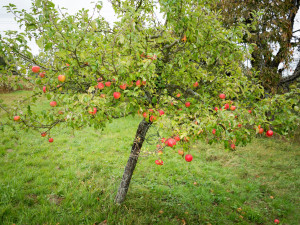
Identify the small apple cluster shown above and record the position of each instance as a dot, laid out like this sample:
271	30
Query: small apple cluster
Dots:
151	115
222	96
122	86
171	142
61	78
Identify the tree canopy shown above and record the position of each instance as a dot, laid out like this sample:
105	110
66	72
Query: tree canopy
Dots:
184	74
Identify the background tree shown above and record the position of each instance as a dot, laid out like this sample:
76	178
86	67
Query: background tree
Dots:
272	35
171	72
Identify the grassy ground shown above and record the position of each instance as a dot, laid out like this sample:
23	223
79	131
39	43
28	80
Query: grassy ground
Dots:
74	180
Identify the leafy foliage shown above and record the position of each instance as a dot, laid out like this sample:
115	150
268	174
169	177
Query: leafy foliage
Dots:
149	62
271	24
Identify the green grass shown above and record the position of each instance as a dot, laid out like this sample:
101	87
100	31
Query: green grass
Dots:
74	180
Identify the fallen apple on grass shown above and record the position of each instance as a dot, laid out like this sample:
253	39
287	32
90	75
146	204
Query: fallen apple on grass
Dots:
53	103
117	95
188	158
222	96
180	152
159	162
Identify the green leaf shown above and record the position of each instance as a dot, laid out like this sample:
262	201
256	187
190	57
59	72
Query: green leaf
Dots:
48	46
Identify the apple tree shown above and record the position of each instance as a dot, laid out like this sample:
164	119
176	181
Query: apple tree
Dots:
274	34
182	73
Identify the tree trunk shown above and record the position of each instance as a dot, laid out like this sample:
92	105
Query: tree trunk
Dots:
131	163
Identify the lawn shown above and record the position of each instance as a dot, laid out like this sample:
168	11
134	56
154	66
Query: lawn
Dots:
74	179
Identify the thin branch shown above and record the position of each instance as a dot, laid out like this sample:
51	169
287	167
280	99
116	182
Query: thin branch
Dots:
171	45
87	26
296	31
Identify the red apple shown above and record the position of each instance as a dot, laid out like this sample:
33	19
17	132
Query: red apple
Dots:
35	69
44	89
260	130
180	152
17	118
67	64
214	131
94	111
170	142
171	103
163	140
159	162
232	108
145	114
152	118
43	134
196	84
226	106
138	83
222	96
178	95
160	152
123	86
61	78
42	75
117	95
187	104
216	109
50	140
100	85
107	84
150	110
269	133
188	158
276	221
239	125
161	112
177	138
53	103
232	146
249	111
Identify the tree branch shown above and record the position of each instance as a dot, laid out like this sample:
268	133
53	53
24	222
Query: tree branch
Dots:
289	79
